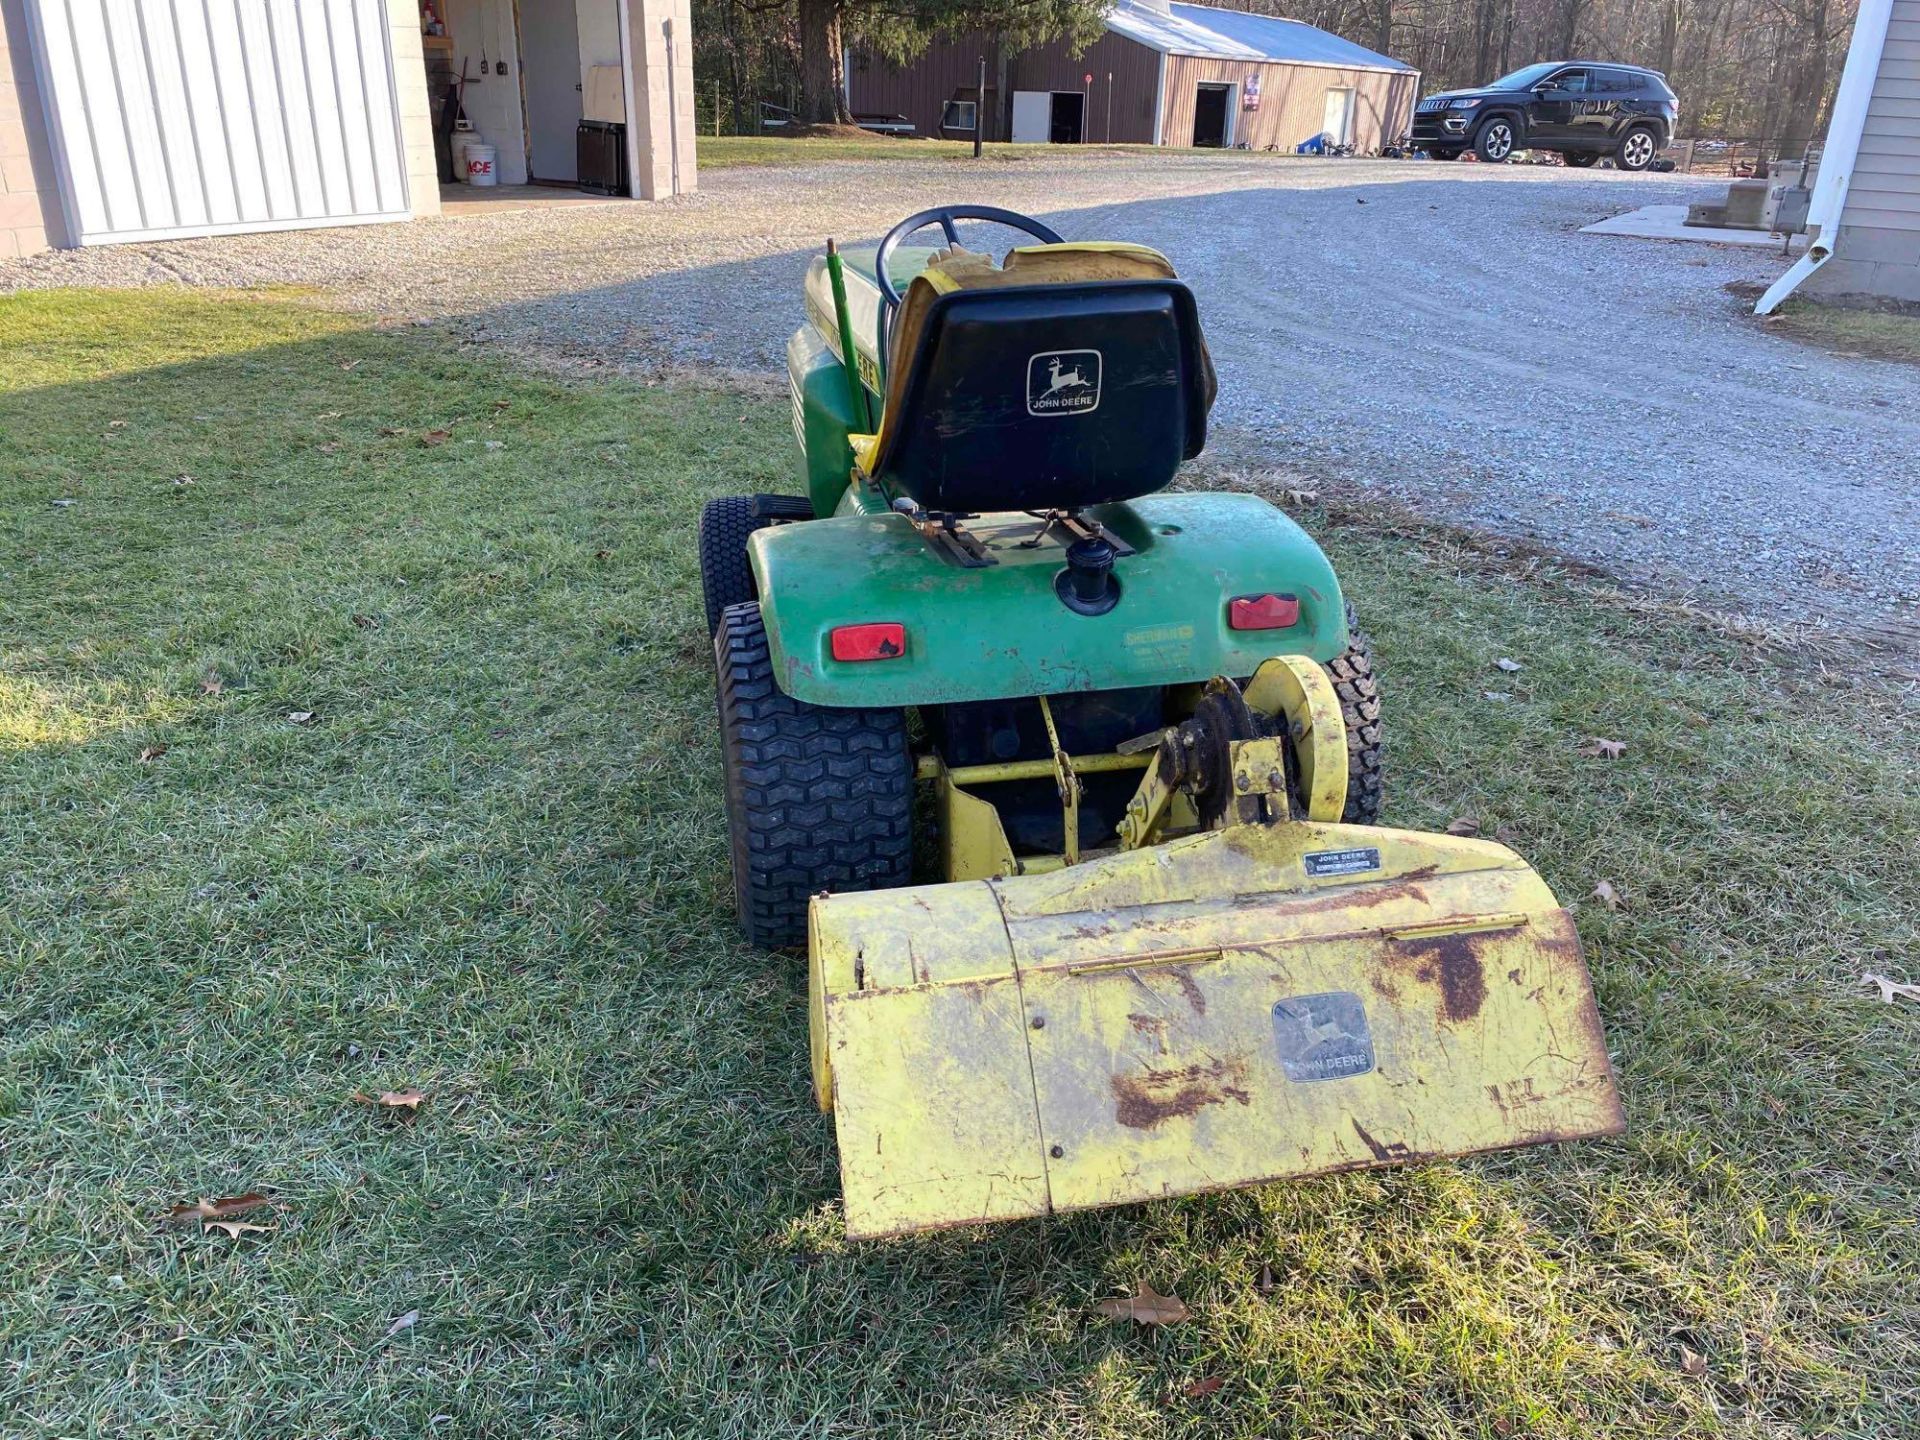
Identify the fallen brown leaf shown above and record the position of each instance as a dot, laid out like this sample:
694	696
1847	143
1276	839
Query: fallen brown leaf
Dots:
1145	1306
603	554
1598	749
365	622
211	684
1692	1363
182	481
234	1229
1464	825
300	717
1891	990
1265	1284
502	404
1505	834
116	424
348	364
1300	497
150	753
1510	666
436	437
1497	695
328	447
392	430
1607	895
216	1209
405	1322
409	1099
1200	1389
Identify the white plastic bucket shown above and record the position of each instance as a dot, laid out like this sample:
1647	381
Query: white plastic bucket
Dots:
462	141
480	169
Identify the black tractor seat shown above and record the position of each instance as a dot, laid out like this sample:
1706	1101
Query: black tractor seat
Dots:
1055	395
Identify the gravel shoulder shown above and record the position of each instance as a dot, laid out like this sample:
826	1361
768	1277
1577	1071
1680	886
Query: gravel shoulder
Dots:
1441	334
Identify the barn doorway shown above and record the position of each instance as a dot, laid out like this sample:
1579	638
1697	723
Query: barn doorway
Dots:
1337	121
1067	123
1212	128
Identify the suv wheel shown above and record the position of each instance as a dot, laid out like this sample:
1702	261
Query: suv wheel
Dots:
1495	141
1637	149
1580	159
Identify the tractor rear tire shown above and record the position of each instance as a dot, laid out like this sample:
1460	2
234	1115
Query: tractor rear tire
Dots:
1359	692
725	576
818	798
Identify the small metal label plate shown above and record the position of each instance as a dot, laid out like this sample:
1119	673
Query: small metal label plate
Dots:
1323	1037
1341	862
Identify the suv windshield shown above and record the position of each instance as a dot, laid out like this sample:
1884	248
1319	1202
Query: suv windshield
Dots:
1526	78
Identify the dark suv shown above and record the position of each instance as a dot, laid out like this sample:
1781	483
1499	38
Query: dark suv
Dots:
1580	108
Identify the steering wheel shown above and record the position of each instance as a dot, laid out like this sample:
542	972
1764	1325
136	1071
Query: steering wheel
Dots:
944	217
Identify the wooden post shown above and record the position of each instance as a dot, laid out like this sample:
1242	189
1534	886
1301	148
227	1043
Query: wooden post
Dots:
980	108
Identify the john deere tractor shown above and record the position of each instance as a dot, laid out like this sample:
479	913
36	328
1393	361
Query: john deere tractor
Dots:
1163	947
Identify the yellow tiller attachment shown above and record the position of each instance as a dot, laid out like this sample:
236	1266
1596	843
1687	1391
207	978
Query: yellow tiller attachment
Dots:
1280	995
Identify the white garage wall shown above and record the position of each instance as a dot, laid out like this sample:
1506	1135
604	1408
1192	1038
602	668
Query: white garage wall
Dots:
599	24
187	119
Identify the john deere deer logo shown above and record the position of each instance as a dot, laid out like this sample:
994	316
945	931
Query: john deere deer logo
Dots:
1063	382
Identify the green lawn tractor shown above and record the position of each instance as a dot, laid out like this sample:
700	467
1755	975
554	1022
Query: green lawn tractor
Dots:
1168	949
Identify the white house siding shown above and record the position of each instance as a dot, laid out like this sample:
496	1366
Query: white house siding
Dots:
1878	248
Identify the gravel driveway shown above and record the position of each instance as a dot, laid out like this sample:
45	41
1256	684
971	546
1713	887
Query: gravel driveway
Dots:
1440	333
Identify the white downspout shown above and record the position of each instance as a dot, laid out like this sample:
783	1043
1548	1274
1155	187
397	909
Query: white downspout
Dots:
673	105
1850	103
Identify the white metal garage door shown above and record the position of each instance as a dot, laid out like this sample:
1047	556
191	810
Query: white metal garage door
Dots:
199	117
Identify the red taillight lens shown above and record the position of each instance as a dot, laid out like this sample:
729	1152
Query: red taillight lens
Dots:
886	641
1263	612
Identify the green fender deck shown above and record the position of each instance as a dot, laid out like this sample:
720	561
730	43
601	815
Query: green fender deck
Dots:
1000	632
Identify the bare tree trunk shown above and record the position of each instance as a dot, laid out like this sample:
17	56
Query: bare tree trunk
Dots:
1809	81
1485	21
1669	42
1569	27
1383	28
822	74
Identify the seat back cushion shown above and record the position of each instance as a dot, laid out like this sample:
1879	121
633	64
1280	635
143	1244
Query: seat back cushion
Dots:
1072	376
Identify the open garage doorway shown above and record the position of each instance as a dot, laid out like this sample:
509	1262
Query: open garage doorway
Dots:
1213	117
1049	117
542	84
1068	121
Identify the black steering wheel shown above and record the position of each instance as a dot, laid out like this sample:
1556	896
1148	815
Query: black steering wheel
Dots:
944	217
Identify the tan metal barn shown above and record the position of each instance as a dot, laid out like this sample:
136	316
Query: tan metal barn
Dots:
1162	74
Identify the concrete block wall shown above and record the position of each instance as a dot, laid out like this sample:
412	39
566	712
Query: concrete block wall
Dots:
662	100
1868	260
30	215
416	113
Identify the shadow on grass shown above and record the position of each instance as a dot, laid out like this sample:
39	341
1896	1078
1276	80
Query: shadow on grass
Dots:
490	862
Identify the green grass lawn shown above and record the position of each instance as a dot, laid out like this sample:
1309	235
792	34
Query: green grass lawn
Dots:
1890	332
491	864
